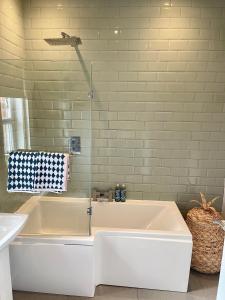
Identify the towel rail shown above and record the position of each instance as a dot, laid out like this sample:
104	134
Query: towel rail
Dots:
34	150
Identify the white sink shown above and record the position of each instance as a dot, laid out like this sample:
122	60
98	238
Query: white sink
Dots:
10	225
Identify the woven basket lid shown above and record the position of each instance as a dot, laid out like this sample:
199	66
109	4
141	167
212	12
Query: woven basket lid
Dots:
201	215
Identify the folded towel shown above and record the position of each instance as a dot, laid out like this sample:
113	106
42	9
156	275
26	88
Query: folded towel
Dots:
36	172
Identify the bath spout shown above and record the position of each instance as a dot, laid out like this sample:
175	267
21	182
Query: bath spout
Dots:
106	196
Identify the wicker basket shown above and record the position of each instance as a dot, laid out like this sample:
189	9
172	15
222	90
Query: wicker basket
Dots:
208	238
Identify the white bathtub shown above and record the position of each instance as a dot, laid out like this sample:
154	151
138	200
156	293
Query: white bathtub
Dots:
143	244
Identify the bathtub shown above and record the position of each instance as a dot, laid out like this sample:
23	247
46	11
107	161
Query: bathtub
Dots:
142	244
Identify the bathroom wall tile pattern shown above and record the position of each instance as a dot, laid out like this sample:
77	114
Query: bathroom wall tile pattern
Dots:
158	116
11	82
11	48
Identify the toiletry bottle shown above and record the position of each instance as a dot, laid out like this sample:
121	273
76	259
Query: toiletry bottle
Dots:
117	192
123	193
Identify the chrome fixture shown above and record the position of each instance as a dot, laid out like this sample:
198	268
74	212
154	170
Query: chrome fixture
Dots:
91	93
168	3
74	145
66	39
100	196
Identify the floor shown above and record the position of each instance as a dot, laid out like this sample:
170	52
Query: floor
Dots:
201	287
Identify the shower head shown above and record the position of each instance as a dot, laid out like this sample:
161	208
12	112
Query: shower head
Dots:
66	39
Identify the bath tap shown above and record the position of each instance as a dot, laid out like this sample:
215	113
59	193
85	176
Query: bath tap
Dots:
102	196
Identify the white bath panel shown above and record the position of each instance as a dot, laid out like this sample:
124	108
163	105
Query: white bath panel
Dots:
54	269
152	263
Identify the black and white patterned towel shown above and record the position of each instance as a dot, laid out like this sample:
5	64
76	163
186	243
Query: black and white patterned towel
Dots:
21	171
52	172
36	172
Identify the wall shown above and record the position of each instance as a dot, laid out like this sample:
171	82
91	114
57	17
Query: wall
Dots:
11	80
158	116
11	48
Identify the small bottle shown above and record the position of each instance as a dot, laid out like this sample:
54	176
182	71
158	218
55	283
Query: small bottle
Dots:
123	193
117	192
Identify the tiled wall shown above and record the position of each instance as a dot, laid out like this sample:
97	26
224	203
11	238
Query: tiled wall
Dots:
57	85
11	48
159	74
11	81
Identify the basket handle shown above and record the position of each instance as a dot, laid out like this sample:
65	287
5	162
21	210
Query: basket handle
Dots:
221	223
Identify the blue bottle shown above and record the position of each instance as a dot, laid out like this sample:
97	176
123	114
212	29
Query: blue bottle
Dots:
123	193
117	192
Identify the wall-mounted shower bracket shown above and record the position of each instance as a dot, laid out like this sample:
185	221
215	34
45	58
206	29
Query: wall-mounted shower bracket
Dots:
91	94
89	211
